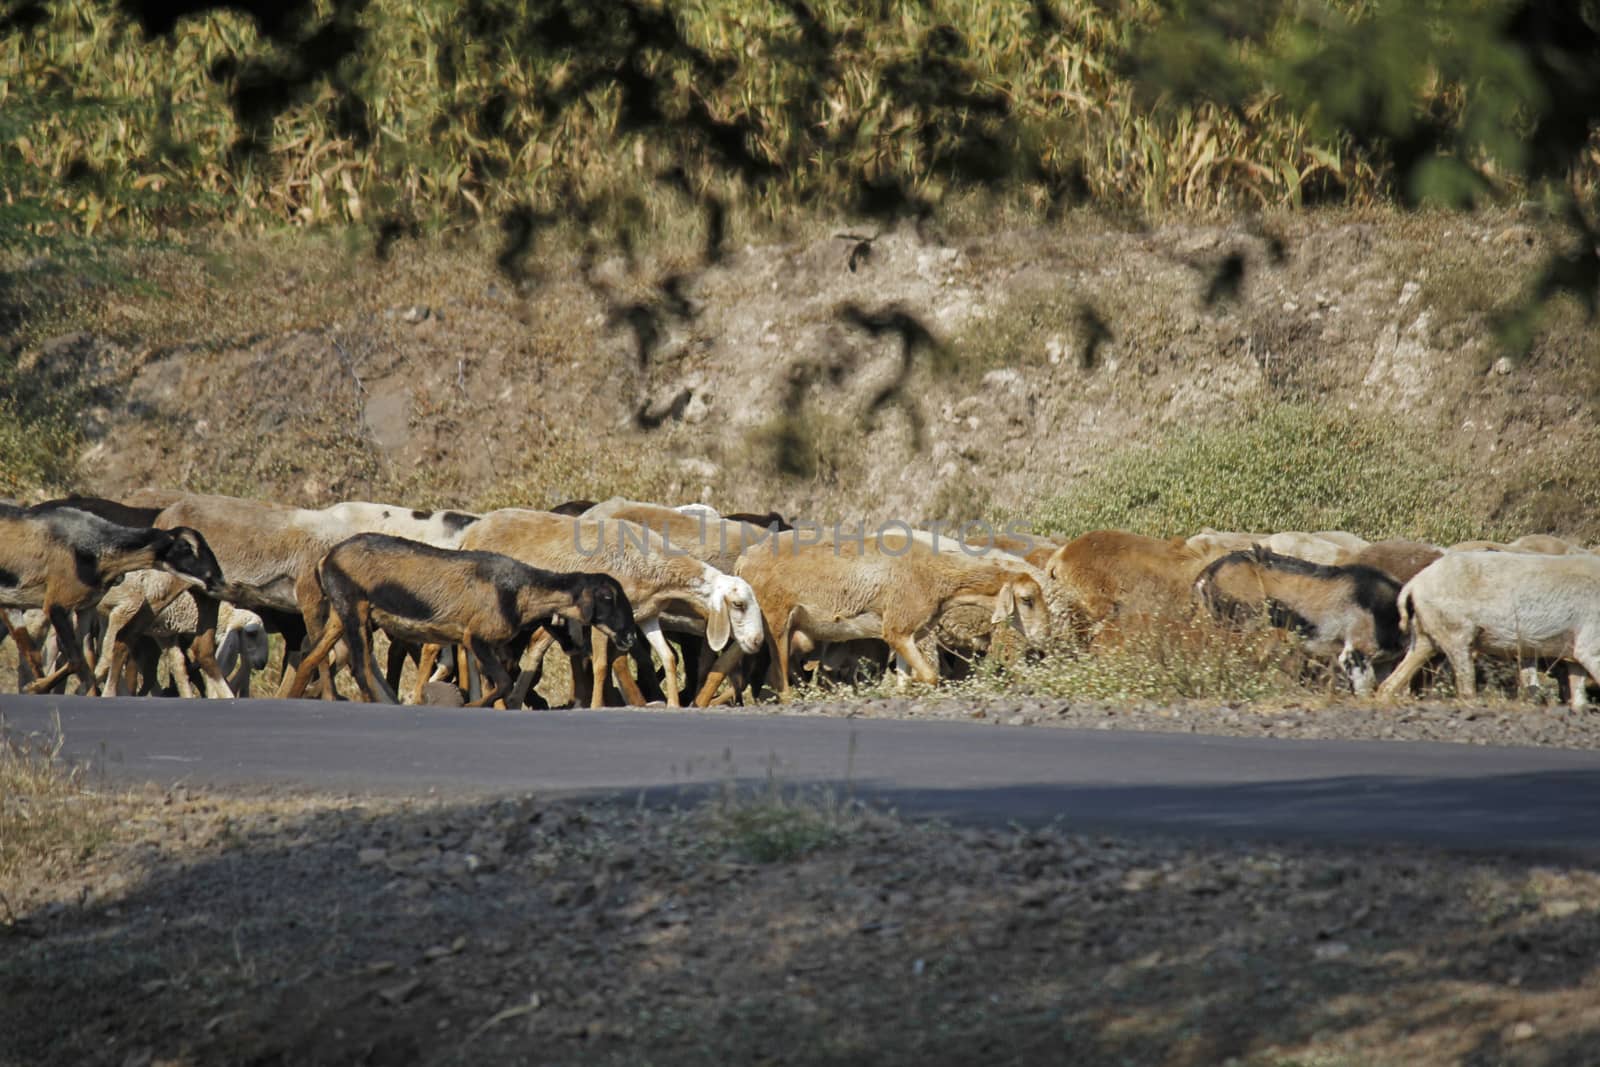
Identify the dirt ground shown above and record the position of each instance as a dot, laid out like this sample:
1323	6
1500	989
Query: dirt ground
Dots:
305	370
294	929
208	928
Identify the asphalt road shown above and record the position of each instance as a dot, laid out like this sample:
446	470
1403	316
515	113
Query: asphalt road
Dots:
1457	796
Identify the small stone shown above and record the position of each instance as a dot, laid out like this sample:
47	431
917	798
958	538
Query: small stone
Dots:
697	410
1331	950
1522	1031
369	856
415	313
399	994
1004	378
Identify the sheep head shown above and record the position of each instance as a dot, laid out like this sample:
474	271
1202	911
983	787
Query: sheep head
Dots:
184	552
1021	601
732	612
601	603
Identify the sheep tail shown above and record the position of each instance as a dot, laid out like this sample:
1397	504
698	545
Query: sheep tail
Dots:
1403	602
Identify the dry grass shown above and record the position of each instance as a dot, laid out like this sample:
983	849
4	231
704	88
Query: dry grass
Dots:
52	817
110	133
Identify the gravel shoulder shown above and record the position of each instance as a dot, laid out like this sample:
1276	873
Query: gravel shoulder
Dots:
1478	723
774	928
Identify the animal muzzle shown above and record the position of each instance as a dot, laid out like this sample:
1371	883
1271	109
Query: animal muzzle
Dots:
624	639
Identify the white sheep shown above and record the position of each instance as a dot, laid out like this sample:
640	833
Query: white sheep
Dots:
1512	605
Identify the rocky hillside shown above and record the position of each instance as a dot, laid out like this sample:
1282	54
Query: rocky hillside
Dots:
792	374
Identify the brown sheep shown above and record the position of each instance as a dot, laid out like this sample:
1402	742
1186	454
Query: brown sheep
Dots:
1400	560
1117	581
892	590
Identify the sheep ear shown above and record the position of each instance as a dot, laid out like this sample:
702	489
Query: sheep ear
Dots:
585	604
718	627
1005	603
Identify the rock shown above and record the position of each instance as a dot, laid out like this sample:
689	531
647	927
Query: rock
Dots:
399	994
697	467
1331	950
666	403
415	313
1562	909
1004	379
443	695
697	409
1523	1031
369	856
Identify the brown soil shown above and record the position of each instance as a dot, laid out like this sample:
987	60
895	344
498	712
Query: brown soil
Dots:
319	930
306	371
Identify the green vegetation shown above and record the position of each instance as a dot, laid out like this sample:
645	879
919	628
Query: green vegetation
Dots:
1278	466
776	825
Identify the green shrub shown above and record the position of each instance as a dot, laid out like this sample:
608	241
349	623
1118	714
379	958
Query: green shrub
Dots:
1275	466
772	827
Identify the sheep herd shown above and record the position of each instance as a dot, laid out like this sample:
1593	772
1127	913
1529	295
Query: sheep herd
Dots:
103	593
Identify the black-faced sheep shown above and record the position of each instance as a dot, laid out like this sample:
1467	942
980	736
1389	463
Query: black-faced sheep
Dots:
63	560
483	601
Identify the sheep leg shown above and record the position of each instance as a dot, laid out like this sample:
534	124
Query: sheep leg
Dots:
467	674
499	678
1579	673
427	660
120	616
67	644
179	666
27	654
604	667
658	641
727	660
622	671
399	652
311	660
363	659
117	663
87	623
1459	653
1417	656
204	646
649	682
216	685
529	677
905	646
778	634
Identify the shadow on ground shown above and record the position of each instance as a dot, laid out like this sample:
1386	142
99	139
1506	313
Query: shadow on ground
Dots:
532	930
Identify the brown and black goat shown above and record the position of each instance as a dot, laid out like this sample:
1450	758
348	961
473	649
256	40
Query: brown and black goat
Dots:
483	601
63	560
1347	613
